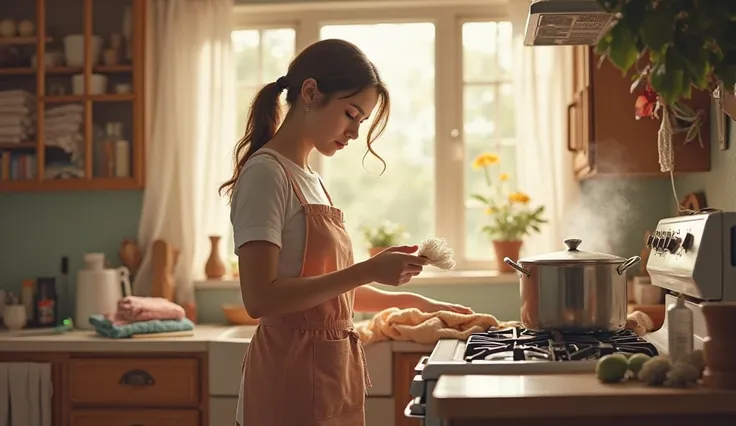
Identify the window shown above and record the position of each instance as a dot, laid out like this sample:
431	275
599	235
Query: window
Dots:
261	56
451	99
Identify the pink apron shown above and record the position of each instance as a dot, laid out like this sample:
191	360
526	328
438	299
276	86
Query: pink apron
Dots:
308	368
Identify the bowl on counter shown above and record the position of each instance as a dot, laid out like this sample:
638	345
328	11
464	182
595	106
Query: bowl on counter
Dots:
238	315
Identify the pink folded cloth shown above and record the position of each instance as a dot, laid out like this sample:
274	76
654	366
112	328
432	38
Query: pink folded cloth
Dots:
135	309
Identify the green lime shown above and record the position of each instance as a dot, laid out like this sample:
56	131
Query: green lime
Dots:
611	368
636	361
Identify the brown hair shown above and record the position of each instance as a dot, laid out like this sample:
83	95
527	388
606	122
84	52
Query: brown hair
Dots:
337	66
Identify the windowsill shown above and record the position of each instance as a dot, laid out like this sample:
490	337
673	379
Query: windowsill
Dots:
428	278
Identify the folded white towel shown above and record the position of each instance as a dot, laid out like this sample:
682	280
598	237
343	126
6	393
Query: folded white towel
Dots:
16	120
64	109
74	118
17	109
14	131
62	128
11	139
15	94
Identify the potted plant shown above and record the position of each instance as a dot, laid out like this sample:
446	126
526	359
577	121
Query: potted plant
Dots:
383	236
674	47
511	216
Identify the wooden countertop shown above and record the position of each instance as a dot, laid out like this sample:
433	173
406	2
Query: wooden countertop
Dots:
568	395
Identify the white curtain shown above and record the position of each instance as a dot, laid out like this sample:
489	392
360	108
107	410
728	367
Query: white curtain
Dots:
543	88
189	135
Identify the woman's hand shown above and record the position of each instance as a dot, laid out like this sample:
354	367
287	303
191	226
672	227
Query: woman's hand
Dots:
431	305
395	265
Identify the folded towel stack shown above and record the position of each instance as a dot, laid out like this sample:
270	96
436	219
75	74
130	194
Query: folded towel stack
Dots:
141	315
17	116
63	127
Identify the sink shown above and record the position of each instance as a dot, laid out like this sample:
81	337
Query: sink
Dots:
226	357
240	332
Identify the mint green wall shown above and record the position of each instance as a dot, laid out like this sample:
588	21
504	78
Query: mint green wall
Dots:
37	229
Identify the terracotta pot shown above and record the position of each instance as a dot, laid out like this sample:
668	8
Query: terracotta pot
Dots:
509	249
214	269
375	250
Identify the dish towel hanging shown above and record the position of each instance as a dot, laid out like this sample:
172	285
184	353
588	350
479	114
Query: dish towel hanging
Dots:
25	394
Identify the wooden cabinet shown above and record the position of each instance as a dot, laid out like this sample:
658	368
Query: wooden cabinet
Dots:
152	389
605	138
404	364
75	71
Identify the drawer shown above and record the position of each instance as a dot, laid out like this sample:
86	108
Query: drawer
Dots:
135	381
139	417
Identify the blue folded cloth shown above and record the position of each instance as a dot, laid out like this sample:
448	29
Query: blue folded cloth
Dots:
106	328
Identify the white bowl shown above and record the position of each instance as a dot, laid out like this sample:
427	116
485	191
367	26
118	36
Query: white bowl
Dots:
74	49
97	84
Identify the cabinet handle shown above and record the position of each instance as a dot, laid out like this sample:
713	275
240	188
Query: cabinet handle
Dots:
137	378
569	128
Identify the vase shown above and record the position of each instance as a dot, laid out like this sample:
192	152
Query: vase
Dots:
510	249
214	269
375	250
718	347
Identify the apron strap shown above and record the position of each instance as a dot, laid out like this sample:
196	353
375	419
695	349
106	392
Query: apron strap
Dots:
297	190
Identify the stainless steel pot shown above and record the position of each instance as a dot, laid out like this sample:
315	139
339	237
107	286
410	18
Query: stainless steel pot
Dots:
573	291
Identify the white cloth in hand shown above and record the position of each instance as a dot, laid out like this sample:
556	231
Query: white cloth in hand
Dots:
438	252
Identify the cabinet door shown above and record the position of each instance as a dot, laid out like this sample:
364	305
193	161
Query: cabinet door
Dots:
404	364
625	146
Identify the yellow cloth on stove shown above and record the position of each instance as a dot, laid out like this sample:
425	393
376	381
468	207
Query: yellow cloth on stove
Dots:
422	327
428	328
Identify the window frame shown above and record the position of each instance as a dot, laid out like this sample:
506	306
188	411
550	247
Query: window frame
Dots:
448	16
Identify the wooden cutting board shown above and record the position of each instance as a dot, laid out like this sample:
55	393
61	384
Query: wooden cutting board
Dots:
184	333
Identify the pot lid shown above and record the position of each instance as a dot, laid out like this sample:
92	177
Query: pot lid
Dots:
572	254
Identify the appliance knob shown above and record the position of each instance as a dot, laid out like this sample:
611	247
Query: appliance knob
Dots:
687	243
673	244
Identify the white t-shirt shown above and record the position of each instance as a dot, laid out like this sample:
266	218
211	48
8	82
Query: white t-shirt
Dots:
265	208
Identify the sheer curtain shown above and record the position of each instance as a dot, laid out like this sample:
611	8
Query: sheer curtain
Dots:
190	134
543	87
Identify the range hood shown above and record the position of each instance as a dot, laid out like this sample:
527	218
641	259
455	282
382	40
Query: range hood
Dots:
566	23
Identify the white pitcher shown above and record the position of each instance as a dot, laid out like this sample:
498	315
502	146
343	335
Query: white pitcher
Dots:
99	289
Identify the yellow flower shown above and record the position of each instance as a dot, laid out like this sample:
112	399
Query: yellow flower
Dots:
485	159
490	210
518	197
504	177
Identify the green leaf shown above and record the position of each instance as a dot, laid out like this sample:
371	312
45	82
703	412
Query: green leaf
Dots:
623	51
604	44
657	28
668	79
480	198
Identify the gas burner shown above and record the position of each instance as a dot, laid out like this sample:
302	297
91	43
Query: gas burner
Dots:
521	344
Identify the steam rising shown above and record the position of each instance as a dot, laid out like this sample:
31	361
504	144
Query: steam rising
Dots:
603	216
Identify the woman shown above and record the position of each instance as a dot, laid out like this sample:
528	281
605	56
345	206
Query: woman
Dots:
305	365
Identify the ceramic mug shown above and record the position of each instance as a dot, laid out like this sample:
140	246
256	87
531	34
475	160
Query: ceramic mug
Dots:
14	317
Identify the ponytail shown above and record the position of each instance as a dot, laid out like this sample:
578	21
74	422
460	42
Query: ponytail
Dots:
263	120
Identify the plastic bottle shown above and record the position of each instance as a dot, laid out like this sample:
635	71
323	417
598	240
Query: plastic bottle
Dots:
679	329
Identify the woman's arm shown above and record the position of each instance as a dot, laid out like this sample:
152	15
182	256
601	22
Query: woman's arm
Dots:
263	294
371	299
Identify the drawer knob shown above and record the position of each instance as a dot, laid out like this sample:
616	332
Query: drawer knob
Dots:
137	378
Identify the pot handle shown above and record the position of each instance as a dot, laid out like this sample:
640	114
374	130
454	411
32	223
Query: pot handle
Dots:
516	266
628	263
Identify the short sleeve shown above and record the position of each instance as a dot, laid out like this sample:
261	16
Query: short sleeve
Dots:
260	197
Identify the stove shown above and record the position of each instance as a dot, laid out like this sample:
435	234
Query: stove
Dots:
693	254
520	344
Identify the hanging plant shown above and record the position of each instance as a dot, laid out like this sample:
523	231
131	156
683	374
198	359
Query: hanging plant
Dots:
674	46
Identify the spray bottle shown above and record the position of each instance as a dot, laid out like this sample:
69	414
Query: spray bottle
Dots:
679	329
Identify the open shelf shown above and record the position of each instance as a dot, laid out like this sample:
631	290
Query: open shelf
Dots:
83	128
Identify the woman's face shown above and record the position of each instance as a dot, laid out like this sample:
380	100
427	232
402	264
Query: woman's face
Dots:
332	126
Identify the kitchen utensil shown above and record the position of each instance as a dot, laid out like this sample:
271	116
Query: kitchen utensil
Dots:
573	291
99	289
237	315
66	326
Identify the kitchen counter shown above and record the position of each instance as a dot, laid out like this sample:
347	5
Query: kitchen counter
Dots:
204	334
575	399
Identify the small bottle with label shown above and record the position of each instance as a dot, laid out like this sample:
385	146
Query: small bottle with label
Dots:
46	302
679	329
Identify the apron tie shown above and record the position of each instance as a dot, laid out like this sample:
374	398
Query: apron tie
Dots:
366	377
